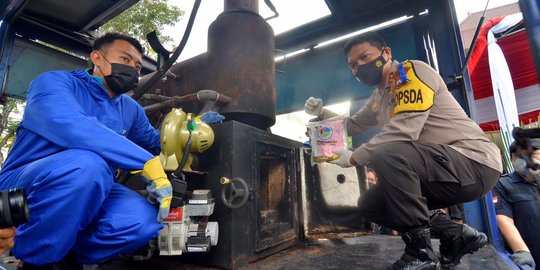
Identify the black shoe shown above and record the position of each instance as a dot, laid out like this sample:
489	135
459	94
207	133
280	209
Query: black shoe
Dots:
418	254
453	249
68	263
408	262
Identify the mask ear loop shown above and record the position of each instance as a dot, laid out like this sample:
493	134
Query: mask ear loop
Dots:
382	53
105	60
104	57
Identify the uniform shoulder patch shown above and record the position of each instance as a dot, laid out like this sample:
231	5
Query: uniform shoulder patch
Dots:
413	95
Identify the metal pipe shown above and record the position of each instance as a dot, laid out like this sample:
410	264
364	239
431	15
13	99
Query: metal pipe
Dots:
251	5
154	97
475	38
137	93
224	180
177	101
208	98
272	8
204	95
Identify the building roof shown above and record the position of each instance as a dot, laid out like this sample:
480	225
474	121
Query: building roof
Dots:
468	25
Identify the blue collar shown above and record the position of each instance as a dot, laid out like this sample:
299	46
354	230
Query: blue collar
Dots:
97	78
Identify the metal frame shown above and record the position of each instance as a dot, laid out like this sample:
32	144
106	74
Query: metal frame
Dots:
8	12
77	39
531	13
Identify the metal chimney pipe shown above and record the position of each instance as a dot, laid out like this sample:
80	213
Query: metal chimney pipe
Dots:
250	5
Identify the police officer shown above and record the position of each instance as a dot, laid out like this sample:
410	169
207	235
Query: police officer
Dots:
518	210
428	154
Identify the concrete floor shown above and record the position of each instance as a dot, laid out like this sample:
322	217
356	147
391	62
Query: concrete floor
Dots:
368	252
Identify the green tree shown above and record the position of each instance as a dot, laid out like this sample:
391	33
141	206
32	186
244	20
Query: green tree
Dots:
9	121
143	18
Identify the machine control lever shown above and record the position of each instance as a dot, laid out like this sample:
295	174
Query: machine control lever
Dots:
235	192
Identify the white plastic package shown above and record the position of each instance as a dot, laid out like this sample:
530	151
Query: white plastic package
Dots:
326	137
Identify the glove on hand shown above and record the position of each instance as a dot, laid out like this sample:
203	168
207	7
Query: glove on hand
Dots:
158	186
212	117
523	257
313	106
344	158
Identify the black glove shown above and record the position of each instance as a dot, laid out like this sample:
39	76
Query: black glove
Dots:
523	257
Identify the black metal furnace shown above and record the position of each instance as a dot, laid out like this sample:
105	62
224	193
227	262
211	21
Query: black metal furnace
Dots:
268	222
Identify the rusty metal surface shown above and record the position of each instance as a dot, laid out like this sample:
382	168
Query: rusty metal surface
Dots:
267	223
178	101
362	253
239	63
369	253
252	5
328	231
320	217
241	54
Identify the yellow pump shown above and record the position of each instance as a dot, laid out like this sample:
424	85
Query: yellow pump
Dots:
174	137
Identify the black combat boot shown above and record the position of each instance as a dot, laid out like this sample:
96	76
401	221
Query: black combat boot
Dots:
456	239
418	252
453	248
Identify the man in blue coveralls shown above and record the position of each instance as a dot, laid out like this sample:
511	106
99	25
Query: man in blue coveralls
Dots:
518	208
78	128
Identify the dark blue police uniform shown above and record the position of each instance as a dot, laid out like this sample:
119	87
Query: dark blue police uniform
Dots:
517	199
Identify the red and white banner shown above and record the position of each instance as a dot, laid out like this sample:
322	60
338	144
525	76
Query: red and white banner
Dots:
491	83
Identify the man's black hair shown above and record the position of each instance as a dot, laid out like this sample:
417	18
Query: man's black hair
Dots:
107	39
535	144
373	38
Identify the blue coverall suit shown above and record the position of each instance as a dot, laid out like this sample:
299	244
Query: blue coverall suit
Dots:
71	138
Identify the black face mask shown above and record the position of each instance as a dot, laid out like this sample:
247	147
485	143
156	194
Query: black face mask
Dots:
371	73
122	79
